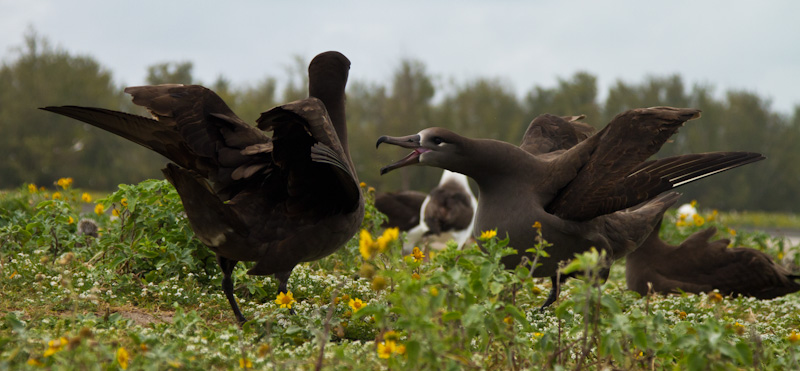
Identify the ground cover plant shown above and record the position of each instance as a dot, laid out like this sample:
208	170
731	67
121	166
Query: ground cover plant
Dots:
140	293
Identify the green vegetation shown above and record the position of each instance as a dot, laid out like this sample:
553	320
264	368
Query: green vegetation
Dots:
145	295
43	147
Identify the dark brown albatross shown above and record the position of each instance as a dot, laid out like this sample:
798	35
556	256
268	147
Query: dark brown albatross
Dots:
599	192
276	201
699	265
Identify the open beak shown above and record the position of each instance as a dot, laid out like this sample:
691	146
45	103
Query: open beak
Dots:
410	141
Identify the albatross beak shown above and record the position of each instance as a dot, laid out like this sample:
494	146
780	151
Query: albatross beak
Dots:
410	141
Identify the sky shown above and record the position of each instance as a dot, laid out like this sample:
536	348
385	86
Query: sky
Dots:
743	45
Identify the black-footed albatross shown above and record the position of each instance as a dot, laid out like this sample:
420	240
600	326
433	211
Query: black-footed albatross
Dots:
600	192
448	213
401	208
277	201
700	265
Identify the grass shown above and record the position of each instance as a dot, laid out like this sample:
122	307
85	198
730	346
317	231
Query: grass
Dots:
145	295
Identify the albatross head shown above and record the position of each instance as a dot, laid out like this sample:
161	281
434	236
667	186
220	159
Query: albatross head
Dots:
435	147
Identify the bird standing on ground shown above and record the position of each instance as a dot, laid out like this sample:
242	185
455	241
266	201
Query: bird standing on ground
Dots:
277	201
597	192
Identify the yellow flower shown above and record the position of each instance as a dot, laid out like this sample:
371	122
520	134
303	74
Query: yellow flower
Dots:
794	336
536	290
32	189
417	254
537	225
698	220
124	202
371	189
86	197
54	346
415	276
732	232
245	363
263	350
115	212
285	300
400	349
64	182
57	195
780	255
487	235
356	304
508	320
365	244
362	184
738	328
70	221
693	203
434	291
713	216
389	235
715	297
123	357
682	314
99	209
34	362
537	335
386	348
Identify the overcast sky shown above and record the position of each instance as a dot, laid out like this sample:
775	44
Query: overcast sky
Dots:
752	45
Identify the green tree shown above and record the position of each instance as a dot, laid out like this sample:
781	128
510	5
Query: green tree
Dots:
170	73
43	147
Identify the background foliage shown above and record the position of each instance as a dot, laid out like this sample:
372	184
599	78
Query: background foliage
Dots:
39	147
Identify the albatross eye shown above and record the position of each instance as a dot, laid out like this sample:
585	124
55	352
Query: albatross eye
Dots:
437	140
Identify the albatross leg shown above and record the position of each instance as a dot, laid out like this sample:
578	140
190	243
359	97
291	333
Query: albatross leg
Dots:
283	283
227	285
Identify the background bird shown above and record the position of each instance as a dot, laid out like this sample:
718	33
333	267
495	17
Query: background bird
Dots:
701	265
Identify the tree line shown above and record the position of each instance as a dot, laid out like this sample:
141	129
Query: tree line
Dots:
39	147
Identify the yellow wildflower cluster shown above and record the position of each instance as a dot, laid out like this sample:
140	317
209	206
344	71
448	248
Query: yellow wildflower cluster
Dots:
387	348
794	336
64	183
32	188
86	197
488	235
122	358
57	196
698	220
245	363
369	247
417	254
285	300
356	304
55	346
99	209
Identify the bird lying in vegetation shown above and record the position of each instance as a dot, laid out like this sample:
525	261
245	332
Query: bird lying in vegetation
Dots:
277	201
700	265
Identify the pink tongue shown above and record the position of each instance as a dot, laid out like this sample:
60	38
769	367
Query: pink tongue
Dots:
421	150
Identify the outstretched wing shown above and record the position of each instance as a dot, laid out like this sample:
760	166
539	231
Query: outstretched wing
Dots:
193	127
